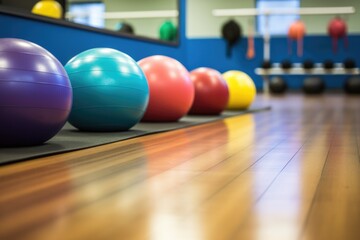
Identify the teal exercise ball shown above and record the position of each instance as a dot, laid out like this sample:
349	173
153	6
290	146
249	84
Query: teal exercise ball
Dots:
110	91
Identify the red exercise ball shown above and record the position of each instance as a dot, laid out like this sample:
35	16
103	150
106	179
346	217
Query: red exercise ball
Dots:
171	89
211	92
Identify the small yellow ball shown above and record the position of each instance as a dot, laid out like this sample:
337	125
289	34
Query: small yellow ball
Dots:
48	8
242	90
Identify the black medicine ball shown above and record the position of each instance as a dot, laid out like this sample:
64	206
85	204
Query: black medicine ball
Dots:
232	33
349	63
277	85
266	64
313	85
308	64
328	64
352	85
286	64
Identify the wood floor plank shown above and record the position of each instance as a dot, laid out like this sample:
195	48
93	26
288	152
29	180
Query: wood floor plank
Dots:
289	173
335	212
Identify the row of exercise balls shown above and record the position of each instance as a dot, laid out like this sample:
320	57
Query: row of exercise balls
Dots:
233	90
100	86
164	93
314	85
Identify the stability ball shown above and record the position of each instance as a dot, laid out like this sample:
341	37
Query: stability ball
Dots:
313	85
352	85
48	8
171	89
211	92
277	85
242	90
35	94
110	90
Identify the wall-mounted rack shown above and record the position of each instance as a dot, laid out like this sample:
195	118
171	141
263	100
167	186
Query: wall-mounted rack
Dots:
298	70
285	11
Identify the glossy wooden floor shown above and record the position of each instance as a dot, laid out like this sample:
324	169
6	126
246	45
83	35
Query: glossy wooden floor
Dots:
289	173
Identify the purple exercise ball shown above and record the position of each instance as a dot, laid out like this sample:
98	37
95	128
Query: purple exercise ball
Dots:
35	94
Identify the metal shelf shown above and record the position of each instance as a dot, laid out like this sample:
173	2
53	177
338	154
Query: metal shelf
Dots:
298	70
302	71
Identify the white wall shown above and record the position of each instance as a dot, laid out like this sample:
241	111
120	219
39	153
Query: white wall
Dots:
143	27
318	24
201	23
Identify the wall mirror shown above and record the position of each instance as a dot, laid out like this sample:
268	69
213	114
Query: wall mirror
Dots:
155	19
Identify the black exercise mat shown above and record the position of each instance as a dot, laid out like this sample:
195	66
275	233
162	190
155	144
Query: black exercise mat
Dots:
70	139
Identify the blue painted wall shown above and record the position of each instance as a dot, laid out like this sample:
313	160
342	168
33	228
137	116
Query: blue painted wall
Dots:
211	53
65	42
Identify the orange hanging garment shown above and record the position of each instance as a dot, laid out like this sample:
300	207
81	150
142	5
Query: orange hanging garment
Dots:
250	54
297	32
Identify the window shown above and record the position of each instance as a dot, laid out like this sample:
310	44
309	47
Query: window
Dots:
278	24
87	13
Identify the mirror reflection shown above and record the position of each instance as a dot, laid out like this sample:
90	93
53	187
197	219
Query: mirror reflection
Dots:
156	19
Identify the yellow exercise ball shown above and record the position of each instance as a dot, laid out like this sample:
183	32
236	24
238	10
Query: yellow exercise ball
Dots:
242	90
48	8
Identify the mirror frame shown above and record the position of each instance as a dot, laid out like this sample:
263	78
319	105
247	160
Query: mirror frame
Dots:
24	14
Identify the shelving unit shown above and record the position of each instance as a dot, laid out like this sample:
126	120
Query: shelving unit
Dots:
298	70
302	71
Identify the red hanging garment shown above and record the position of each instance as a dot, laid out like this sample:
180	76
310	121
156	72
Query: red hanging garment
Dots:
337	29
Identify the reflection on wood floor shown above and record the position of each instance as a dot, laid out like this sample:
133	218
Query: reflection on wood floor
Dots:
289	173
